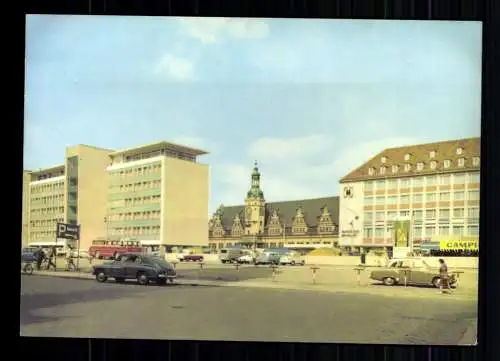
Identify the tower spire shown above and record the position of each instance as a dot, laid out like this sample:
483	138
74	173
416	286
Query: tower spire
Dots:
255	191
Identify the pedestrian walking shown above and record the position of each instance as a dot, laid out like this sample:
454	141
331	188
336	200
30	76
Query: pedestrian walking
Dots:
444	277
51	257
39	255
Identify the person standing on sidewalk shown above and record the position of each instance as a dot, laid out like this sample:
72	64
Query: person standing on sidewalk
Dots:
444	277
51	256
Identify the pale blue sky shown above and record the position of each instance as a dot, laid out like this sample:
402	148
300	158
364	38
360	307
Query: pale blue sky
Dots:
309	99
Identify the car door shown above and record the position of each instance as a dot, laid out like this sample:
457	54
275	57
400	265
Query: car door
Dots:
405	270
133	265
419	273
116	269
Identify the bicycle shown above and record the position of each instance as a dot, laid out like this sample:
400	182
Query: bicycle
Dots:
70	265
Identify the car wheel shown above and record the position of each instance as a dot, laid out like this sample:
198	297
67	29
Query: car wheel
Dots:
142	278
101	277
161	281
436	282
120	280
389	281
28	269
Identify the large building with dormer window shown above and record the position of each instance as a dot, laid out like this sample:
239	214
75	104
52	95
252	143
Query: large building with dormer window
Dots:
300	224
435	186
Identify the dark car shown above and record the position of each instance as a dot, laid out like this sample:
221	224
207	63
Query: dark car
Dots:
143	268
28	254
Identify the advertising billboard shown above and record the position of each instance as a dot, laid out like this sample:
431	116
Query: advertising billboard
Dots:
454	244
401	233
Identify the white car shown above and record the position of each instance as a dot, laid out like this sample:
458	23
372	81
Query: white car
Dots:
246	259
82	254
292	259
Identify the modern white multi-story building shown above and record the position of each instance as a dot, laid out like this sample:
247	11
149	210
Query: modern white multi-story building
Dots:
158	193
435	186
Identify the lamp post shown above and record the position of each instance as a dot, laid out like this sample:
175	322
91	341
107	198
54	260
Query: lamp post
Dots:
107	228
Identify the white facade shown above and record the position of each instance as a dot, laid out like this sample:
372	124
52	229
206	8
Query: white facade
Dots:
440	206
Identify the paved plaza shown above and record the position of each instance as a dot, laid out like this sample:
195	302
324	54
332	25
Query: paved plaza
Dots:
221	303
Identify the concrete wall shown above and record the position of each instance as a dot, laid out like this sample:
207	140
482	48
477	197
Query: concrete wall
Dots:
453	262
92	191
185	203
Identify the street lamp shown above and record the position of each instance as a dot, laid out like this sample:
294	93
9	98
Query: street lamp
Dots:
107	228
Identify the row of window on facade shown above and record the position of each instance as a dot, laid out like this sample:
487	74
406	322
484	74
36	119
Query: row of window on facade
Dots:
276	231
444	213
131	216
419	198
157	153
137	186
47	222
137	171
134	231
53	199
50	175
274	244
43	234
47	211
427	231
47	188
420	166
444	179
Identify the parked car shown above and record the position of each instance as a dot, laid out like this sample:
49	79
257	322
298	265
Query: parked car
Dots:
83	253
230	255
268	258
189	257
28	254
143	268
246	259
418	272
292	258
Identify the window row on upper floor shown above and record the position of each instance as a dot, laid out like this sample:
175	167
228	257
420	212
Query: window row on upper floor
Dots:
417	198
423	181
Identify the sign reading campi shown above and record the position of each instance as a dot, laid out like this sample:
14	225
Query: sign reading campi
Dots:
68	231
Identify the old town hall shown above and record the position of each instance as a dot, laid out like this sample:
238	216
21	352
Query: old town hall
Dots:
299	224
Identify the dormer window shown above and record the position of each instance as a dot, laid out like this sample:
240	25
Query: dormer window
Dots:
371	171
382	170
446	164
475	161
395	168
433	164
407	167
460	150
432	154
383	159
461	162
407	156
420	166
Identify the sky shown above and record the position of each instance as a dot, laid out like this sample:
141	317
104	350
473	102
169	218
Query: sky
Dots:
310	100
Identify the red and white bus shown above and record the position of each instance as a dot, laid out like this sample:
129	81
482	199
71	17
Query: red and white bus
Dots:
105	249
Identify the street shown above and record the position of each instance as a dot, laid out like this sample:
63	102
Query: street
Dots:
58	307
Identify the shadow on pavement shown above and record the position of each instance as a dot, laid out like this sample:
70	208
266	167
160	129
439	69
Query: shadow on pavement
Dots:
224	274
108	291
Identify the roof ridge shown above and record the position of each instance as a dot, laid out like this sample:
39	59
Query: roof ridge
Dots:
444	142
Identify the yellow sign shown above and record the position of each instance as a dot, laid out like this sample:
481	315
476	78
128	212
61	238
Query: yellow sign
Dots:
457	245
401	233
